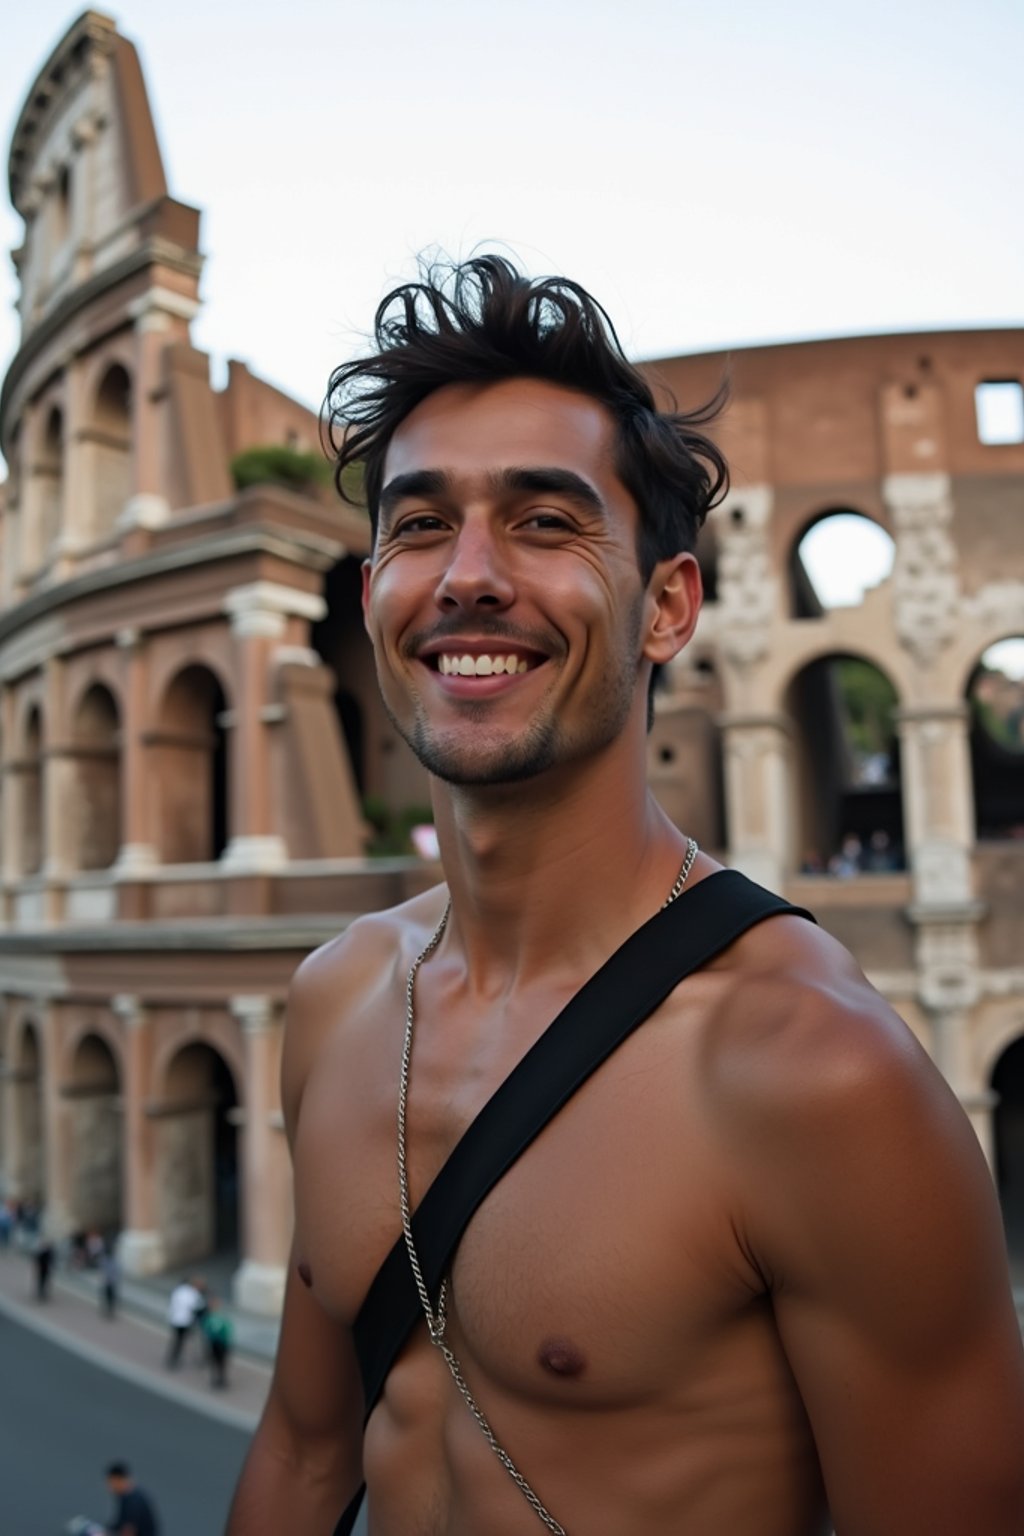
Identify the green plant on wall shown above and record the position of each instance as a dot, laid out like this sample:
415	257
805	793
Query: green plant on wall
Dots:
391	827
274	464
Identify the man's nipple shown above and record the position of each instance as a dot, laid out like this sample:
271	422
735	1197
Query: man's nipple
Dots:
561	1357
305	1274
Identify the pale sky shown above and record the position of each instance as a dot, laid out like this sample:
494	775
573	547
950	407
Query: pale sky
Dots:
716	174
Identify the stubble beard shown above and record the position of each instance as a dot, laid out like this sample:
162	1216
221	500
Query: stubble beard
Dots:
545	744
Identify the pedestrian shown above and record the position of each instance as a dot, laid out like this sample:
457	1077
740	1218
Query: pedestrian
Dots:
110	1280
133	1513
184	1302
42	1260
219	1332
716	1250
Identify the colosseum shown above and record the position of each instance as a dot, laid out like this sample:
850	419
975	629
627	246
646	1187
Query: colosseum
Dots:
198	781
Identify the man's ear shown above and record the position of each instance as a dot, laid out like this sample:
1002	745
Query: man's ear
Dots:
674	596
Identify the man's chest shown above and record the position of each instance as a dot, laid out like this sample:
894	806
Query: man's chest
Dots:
603	1260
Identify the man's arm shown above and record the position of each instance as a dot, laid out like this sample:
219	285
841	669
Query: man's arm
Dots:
305	1461
873	1217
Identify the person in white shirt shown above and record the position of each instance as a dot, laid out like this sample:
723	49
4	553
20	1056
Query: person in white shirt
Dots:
185	1302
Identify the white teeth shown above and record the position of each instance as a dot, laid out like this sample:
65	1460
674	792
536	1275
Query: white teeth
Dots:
480	666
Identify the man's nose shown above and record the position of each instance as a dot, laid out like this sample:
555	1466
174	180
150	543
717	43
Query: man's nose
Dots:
476	575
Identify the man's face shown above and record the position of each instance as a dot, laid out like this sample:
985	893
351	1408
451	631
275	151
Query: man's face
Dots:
504	599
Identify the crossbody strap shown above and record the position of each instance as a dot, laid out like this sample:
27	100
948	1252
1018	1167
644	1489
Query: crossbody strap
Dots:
681	938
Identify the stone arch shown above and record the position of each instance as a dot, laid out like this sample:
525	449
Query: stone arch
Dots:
189	768
198	1154
28	1175
30	811
995	696
111	433
93	1089
846	785
96	745
864	545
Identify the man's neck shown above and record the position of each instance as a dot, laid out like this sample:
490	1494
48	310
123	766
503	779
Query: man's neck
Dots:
554	873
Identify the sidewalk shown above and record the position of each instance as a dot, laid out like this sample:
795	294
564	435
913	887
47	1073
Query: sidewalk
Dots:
133	1344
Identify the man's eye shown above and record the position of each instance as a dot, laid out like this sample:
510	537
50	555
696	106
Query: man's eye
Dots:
423	522
549	521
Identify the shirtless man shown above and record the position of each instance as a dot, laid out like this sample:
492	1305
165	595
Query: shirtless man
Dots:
751	1278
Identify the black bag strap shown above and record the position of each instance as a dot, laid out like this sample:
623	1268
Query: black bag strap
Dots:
676	941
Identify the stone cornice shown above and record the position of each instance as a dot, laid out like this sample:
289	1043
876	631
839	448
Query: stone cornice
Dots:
223	935
302	549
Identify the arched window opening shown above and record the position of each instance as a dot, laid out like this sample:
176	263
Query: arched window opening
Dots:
62	208
112	437
50	479
97	831
30	819
1008	1122
28	1174
839	558
995	695
95	1119
848	795
191	769
199	1157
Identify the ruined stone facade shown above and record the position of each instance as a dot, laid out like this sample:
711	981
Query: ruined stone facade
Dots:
190	725
885	427
188	713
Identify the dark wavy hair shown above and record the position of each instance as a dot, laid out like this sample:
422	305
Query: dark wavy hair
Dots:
484	321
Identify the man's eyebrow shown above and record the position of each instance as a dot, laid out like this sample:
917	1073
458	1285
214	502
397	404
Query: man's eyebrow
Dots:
552	480
418	482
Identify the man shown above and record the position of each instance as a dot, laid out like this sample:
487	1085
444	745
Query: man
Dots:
133	1513
752	1274
184	1305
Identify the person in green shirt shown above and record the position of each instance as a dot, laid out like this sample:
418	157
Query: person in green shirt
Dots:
219	1333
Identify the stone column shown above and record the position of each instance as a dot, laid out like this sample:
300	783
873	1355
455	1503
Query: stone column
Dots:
79	472
258	1284
259	614
9	1151
59	793
158	316
758	794
937	800
137	851
57	1130
939	820
141	1247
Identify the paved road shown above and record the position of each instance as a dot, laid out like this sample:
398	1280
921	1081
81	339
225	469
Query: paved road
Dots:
62	1419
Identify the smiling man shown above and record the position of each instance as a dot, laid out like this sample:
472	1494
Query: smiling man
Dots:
744	1272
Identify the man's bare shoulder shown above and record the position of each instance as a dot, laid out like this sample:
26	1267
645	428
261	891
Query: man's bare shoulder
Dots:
336	985
371	944
794	1014
828	1109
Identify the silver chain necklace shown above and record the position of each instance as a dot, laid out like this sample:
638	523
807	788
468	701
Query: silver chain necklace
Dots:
437	1320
